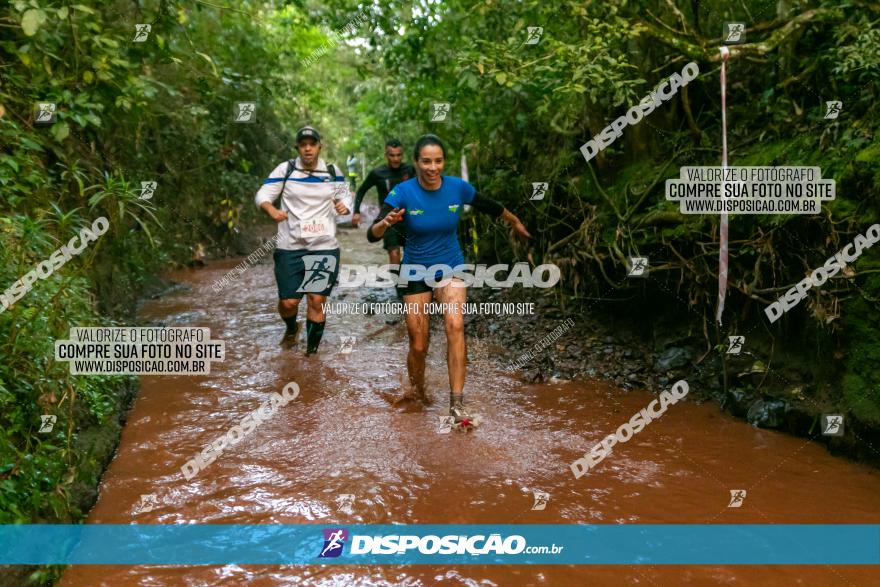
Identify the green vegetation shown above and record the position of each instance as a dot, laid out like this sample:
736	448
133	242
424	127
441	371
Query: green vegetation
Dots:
127	112
527	108
162	110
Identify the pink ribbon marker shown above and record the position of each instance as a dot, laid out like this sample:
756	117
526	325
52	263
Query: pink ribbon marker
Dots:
723	228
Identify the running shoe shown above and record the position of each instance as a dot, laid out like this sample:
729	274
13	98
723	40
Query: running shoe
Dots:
457	410
411	392
291	336
422	395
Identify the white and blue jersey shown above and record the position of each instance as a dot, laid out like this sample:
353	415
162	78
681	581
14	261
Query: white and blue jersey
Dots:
308	200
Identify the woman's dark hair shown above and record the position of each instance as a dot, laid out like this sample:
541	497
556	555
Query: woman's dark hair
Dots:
426	140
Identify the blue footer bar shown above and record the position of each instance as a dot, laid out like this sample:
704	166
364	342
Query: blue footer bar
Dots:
629	544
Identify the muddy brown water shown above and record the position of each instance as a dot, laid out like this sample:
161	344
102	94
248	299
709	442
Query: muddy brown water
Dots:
341	436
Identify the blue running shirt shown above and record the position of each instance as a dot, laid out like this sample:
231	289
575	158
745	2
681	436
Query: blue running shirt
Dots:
431	220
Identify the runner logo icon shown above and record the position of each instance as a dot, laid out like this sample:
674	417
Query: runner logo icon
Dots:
737	497
535	33
319	272
348	343
832	425
45	112
334	541
245	112
735	345
440	111
147	504
539	188
446	424
638	267
541	499
735	32
142	31
47	422
832	109
345	502
148	188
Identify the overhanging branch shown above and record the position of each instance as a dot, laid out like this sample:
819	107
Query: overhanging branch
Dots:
706	50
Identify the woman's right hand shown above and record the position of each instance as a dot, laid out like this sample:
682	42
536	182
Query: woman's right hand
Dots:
394	216
279	215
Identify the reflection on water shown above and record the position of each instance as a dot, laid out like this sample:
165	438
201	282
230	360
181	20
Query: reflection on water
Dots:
340	437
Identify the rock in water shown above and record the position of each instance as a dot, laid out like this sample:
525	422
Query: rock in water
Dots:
672	358
766	414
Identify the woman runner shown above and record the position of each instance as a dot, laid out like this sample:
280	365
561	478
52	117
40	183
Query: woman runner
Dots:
430	205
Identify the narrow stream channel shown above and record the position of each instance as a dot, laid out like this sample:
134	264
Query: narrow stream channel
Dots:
342	437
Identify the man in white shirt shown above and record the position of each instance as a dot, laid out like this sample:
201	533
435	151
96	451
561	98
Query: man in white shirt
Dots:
307	252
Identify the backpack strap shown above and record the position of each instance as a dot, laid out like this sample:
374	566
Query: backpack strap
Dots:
291	165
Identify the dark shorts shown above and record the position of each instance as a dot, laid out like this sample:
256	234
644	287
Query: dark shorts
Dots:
394	238
414	287
301	272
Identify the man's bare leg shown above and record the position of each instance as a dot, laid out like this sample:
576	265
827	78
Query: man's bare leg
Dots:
315	310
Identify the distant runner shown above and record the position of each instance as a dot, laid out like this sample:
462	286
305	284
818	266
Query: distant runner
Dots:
384	179
430	206
351	163
307	253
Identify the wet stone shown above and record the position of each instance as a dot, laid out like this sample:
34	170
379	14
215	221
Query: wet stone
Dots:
766	414
672	358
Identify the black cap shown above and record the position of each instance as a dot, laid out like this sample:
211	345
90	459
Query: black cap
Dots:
307	132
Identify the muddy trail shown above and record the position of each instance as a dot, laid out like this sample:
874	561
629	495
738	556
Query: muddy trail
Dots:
341	437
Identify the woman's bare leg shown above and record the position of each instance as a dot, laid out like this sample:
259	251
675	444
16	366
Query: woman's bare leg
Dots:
456	351
417	327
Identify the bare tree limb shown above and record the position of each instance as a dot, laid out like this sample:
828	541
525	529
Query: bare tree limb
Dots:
707	49
680	16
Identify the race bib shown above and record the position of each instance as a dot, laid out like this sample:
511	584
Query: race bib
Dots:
315	227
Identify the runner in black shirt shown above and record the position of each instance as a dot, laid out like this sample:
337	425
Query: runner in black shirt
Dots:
384	179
